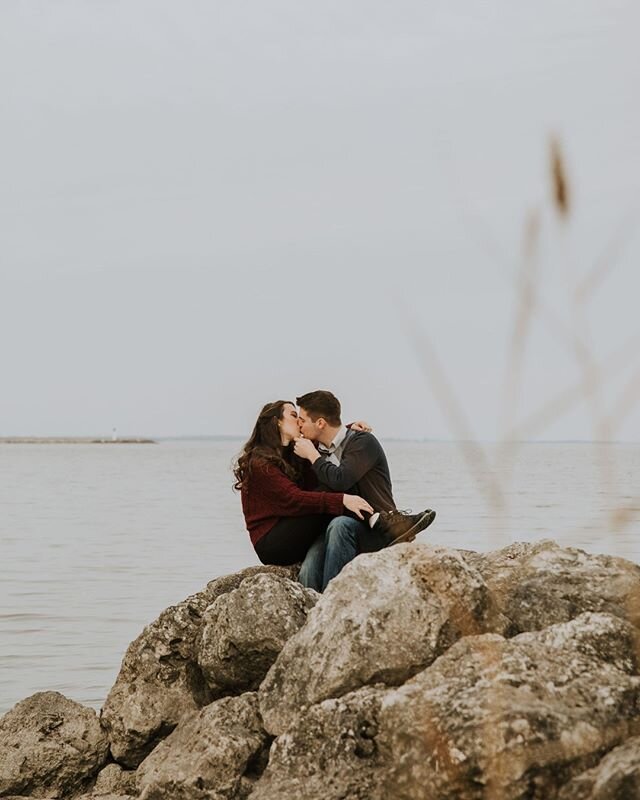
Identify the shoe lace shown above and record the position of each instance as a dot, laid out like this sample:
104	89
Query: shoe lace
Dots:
400	512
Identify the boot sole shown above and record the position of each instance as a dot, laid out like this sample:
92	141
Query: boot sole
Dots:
408	536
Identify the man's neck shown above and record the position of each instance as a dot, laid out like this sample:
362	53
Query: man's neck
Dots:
328	435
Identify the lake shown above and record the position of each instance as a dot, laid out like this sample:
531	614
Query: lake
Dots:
96	540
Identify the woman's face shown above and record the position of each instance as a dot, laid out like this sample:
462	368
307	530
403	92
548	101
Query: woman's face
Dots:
288	424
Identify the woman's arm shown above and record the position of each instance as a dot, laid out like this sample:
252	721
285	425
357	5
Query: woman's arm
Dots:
271	487
285	499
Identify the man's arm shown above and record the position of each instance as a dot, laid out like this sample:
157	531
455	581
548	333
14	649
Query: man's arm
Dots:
360	455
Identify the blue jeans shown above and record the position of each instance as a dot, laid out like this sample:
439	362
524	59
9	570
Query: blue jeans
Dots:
329	553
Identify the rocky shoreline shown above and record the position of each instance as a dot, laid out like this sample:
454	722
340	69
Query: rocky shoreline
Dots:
422	672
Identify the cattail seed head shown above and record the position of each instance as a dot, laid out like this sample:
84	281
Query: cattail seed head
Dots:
559	183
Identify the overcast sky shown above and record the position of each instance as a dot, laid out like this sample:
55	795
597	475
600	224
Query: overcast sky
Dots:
209	205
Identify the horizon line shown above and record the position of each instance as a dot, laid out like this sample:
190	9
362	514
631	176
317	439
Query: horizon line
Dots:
240	437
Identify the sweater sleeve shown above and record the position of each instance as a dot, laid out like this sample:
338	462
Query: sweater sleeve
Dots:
274	489
358	458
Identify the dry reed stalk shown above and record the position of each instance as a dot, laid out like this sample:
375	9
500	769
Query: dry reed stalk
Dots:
563	401
608	259
588	388
495	780
472	451
627	400
593	386
593	394
604	424
526	307
556	326
622	516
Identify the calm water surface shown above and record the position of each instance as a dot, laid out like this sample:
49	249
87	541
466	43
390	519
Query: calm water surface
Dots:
96	540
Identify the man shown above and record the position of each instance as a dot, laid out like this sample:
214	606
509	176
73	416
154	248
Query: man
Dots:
353	462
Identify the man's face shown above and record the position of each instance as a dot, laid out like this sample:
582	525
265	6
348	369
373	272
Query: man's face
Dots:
308	428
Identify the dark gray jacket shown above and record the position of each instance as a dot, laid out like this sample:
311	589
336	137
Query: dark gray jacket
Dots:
363	470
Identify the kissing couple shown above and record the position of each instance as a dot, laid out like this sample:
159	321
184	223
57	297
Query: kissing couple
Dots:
316	491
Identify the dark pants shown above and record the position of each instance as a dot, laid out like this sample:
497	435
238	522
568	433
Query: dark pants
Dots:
344	539
329	553
290	538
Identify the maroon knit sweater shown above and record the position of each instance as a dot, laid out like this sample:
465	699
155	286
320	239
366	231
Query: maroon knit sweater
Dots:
268	495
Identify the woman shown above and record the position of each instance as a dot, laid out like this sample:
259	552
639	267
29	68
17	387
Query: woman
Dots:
283	520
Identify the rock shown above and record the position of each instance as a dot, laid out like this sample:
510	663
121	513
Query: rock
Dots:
49	746
398	684
105	797
383	619
244	630
492	717
160	680
115	780
541	584
215	753
616	777
516	717
331	753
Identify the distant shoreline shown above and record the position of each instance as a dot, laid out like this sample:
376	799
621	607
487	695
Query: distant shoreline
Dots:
240	438
73	440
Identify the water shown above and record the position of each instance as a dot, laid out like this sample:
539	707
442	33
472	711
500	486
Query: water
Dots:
96	540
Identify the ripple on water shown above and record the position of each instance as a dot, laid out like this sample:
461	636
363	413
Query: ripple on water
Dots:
100	541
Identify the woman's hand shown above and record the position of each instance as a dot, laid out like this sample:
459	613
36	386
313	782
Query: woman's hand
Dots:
356	504
361	425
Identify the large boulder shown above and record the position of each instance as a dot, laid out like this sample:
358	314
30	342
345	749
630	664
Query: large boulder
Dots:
383	619
160	680
541	584
244	630
615	777
214	754
492	717
50	746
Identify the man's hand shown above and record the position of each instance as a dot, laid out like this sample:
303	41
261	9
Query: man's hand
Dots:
361	425
306	449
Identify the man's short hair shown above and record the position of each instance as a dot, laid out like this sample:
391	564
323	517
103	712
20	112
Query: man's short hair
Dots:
321	404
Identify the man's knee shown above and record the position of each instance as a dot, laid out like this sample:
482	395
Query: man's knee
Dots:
342	529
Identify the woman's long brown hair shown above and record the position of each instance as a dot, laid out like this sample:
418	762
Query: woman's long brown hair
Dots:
265	444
